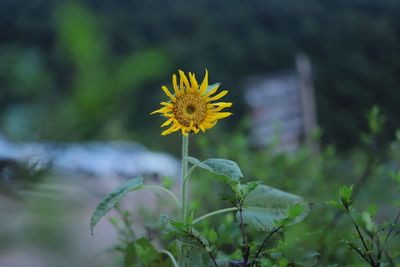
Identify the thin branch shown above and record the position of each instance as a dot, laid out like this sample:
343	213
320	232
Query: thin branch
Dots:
263	244
389	258
383	248
178	204
204	246
372	262
379	250
361	254
392	227
213	213
189	172
245	249
371	161
361	181
212	258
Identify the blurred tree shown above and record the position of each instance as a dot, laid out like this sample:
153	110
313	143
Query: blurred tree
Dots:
97	56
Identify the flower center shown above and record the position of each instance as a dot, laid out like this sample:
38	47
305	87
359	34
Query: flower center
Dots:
190	108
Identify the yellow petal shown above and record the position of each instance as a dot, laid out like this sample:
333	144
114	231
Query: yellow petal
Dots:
193	81
218	106
191	126
209	125
213	110
172	129
220	115
168	122
161	110
218	96
221	104
184	80
167	104
212	91
204	83
168	93
175	84
169	115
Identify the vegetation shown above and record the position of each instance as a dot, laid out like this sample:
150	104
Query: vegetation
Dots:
325	237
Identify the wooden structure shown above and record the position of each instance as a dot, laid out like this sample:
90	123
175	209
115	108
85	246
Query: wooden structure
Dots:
283	107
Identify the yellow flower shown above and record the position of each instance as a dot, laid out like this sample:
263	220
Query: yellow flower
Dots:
191	109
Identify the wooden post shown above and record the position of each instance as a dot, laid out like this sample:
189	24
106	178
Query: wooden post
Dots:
307	100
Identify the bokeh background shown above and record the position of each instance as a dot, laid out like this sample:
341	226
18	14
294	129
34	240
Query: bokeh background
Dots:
98	65
78	71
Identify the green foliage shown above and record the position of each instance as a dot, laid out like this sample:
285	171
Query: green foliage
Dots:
372	240
241	191
141	253
261	207
396	177
366	222
266	208
375	120
223	167
196	245
113	198
317	177
345	193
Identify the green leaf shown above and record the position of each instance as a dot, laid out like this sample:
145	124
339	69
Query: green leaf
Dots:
167	182
364	219
336	204
194	244
187	234
265	208
141	252
227	168
395	176
212	235
131	256
113	198
195	256
375	120
345	194
241	191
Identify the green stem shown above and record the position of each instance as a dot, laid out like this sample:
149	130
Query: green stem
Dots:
263	244
188	173
185	152
178	204
205	216
126	222
183	186
371	260
169	254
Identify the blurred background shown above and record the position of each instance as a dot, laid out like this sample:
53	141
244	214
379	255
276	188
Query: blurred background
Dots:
76	75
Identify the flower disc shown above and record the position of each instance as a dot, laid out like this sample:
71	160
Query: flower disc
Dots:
190	108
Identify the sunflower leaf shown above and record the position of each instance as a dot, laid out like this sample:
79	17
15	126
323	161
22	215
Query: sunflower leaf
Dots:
266	208
110	200
226	168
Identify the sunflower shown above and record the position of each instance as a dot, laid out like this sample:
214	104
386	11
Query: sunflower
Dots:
191	108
